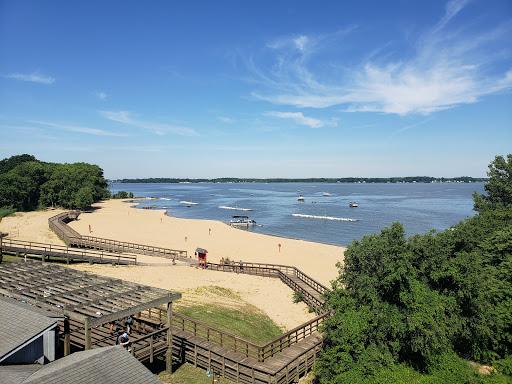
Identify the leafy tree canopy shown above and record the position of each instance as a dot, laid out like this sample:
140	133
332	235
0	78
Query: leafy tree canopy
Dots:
27	184
411	309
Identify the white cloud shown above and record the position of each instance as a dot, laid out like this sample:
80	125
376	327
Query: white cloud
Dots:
125	117
101	95
447	68
33	77
78	129
298	117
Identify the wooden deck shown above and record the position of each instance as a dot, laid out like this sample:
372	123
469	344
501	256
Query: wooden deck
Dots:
44	251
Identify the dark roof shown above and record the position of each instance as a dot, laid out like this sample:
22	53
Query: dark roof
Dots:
201	250
18	325
15	374
108	365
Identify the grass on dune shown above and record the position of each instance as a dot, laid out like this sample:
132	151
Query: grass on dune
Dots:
225	310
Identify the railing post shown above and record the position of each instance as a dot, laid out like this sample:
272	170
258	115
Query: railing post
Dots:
151	349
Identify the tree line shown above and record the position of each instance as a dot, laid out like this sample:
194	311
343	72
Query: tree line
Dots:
27	184
417	309
408	179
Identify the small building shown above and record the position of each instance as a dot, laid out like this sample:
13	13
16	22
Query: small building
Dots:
201	257
26	335
107	365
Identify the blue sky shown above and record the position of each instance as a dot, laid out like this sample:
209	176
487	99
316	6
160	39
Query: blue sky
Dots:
258	89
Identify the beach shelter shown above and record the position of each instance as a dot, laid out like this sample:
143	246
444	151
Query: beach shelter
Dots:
201	257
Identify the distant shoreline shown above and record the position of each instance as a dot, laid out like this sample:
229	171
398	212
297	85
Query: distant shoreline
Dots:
348	180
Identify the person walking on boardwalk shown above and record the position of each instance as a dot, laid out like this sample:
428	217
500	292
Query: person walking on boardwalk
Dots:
129	324
241	264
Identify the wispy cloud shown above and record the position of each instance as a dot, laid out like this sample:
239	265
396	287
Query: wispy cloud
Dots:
297	117
448	67
101	95
126	117
34	77
78	129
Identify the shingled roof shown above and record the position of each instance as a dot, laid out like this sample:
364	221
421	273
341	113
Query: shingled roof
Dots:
19	325
108	365
15	374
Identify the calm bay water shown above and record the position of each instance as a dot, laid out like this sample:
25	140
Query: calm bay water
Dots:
420	207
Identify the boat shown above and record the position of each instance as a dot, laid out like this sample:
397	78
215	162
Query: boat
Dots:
326	194
300	198
353	204
188	203
239	221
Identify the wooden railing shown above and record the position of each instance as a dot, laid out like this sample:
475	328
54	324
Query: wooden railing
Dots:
291	337
284	272
58	224
64	252
235	343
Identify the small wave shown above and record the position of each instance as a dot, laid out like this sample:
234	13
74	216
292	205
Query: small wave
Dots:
323	217
165	198
188	202
235	208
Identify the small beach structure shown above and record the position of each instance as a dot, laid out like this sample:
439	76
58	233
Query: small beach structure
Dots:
201	257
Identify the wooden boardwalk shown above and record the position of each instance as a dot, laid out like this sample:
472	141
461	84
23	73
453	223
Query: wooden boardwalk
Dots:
44	251
58	224
281	361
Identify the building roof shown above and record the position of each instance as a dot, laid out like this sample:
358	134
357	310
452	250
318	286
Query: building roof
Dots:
108	365
15	374
19	325
76	294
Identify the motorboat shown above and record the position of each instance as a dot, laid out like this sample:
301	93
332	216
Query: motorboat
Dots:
301	198
353	204
239	221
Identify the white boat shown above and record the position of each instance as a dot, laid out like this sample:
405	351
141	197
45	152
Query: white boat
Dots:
326	194
241	222
188	203
353	204
301	198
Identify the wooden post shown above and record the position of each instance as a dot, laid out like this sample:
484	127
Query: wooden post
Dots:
168	357
87	325
151	349
67	342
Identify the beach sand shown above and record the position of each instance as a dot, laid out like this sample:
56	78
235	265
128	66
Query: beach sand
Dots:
117	219
269	295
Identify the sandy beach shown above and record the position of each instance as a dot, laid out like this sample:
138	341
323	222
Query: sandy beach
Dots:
117	219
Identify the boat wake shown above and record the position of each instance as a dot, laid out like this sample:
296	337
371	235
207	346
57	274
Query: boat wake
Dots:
188	202
165	198
323	217
235	208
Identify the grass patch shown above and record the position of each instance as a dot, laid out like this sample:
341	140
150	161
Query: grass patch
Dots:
247	322
225	310
188	374
6	212
11	259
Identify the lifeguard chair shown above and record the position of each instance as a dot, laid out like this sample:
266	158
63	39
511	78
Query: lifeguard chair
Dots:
201	257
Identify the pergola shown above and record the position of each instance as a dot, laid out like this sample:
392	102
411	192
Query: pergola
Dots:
90	299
